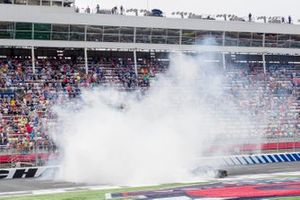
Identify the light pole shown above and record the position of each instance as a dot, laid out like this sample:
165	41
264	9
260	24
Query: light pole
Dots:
147	4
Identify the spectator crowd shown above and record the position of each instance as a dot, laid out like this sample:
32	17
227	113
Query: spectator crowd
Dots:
26	98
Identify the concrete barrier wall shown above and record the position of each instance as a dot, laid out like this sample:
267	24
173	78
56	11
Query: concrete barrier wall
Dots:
28	172
261	159
239	160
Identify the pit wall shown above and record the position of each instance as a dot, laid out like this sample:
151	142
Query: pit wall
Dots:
261	159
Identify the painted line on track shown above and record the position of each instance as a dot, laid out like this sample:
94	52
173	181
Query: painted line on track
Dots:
57	191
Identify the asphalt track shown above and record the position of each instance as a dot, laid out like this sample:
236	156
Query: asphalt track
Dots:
23	185
16	185
263	168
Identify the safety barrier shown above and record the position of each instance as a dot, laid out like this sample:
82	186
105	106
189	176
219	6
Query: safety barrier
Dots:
28	172
239	160
261	159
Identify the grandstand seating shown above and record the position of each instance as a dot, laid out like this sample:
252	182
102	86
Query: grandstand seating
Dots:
26	97
276	92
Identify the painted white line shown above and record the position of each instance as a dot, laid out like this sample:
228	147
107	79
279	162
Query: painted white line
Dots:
211	199
104	187
56	190
175	198
108	196
42	192
15	193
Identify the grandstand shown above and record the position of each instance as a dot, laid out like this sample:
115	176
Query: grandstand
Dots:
50	52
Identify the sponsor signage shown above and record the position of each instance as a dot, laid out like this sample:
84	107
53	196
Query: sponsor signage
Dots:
28	172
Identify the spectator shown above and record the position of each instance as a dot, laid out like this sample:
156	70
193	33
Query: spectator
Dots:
114	10
250	17
88	10
290	19
121	10
25	114
98	9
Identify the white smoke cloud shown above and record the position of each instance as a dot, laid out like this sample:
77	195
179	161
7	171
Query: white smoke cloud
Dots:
120	138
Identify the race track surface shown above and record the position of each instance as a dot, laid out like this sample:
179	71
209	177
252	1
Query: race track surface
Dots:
263	168
15	185
18	185
243	189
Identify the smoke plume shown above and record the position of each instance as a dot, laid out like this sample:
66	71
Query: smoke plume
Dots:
125	138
